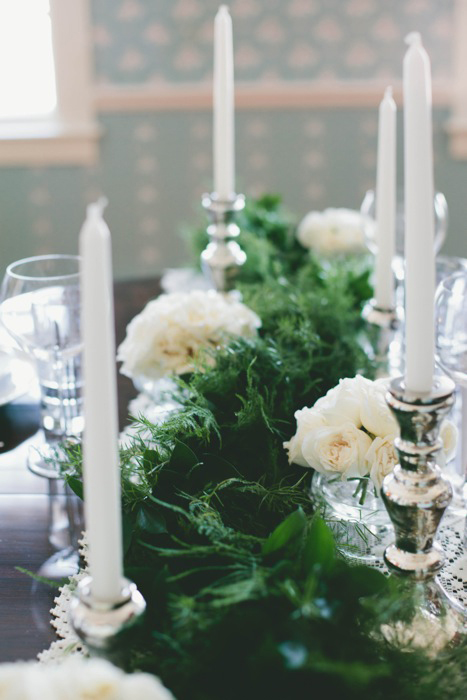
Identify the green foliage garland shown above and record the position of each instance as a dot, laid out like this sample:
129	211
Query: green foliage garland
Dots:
247	594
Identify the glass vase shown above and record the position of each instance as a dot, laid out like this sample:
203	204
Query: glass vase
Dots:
360	523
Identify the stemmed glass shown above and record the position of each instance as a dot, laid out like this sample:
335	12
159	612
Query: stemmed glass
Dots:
40	308
451	354
368	209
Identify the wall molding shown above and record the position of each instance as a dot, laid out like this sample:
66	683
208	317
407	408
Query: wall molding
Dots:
265	95
42	144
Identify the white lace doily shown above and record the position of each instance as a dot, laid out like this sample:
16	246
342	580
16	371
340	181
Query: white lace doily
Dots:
453	576
67	642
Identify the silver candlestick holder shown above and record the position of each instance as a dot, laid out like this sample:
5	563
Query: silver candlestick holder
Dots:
222	258
416	495
106	628
386	339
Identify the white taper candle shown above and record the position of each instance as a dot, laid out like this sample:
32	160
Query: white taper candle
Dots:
386	202
419	219
101	472
224	160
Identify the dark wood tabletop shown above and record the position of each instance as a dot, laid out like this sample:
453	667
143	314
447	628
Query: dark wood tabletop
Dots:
24	504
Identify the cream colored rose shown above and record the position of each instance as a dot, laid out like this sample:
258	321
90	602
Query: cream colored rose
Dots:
344	401
337	449
332	231
375	414
308	421
172	331
77	679
449	435
351	431
381	459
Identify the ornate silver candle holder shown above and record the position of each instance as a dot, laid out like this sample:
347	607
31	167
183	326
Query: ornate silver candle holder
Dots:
386	340
222	258
105	627
416	495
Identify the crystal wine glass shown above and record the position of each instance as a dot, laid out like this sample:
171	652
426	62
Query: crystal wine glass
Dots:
368	209
40	308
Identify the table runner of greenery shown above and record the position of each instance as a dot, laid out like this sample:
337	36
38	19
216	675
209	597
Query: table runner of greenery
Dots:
248	596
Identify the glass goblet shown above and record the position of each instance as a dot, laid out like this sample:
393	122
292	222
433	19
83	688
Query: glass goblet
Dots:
40	308
368	209
395	360
451	354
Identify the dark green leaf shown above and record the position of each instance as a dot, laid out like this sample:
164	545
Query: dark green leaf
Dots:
151	521
183	458
366	581
76	485
319	549
151	457
285	533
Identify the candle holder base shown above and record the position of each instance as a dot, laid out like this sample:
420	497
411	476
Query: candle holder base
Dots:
222	258
425	619
104	627
385	339
416	495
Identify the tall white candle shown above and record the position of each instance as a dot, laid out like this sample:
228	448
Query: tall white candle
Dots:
101	473
419	219
386	202
224	161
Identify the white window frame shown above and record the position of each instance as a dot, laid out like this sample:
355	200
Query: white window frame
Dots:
70	135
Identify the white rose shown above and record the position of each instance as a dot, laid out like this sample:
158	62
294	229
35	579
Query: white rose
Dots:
137	686
337	449
344	401
375	414
332	231
449	435
381	459
382	456
77	679
172	331
308	421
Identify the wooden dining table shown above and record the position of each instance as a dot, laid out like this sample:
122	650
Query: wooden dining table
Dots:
25	503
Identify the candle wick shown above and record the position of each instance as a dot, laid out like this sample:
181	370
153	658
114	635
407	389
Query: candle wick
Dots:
224	9
414	39
388	91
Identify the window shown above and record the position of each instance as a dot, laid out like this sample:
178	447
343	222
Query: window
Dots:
46	113
27	72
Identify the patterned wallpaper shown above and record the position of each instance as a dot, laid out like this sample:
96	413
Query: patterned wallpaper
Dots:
154	166
171	40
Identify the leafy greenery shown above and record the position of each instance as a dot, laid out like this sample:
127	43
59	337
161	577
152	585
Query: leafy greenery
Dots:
247	595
